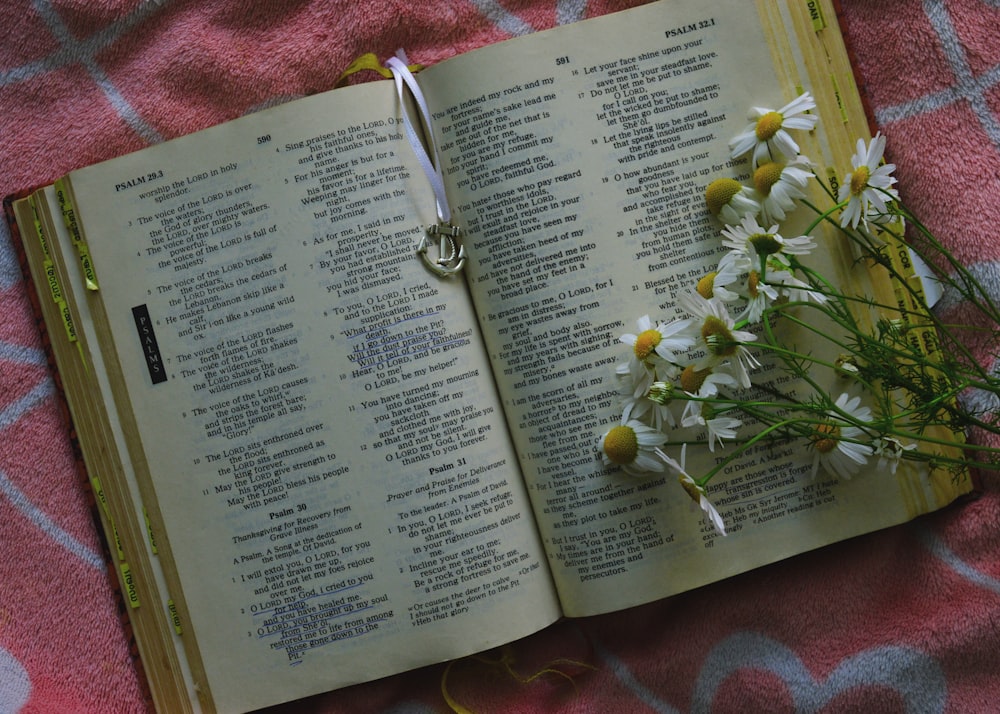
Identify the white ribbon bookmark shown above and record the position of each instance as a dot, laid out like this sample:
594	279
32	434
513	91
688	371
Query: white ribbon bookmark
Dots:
451	252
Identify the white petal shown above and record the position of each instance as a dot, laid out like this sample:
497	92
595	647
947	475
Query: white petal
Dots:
805	121
857	453
785	143
742	143
713	515
650	438
851	214
845	189
647	463
803	102
860	154
761	153
875	151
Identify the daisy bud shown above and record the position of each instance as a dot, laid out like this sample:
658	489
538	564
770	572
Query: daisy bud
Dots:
660	392
847	366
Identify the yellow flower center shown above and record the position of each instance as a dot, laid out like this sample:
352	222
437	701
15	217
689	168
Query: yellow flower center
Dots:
706	286
621	444
720	192
768	125
752	282
692	379
766	176
691	488
645	343
765	243
718	338
824	438
859	180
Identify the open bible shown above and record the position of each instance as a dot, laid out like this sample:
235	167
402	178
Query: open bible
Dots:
319	462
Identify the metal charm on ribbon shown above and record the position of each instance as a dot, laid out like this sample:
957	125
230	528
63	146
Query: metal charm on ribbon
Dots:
450	252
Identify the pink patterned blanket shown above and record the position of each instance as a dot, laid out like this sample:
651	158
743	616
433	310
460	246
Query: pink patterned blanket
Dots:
903	620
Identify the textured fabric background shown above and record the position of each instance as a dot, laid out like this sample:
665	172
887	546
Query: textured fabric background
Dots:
903	620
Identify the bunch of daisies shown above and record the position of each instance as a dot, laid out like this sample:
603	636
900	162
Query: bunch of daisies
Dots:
693	372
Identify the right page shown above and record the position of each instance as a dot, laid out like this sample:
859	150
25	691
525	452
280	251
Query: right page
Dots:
579	162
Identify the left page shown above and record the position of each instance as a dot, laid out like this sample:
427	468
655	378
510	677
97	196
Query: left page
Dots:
310	412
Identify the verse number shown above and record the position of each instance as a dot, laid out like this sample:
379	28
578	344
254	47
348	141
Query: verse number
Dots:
263	139
562	60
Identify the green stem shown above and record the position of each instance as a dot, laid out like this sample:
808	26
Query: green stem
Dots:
822	216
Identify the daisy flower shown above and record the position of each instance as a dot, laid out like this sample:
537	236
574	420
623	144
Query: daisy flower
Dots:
719	426
706	285
652	406
662	341
636	377
760	295
751	239
834	442
890	451
653	351
868	186
730	200
632	446
703	384
766	135
737	280
731	269
794	289
779	185
722	342
696	492
658	415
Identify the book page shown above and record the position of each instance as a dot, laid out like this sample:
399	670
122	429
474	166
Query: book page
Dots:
578	161
311	412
